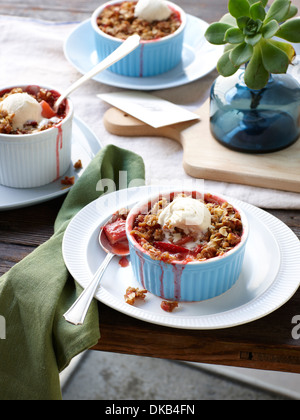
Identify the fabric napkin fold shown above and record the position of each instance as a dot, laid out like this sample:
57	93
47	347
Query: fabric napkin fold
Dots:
36	293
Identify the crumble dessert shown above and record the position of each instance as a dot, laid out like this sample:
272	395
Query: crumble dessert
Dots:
121	21
29	110
189	229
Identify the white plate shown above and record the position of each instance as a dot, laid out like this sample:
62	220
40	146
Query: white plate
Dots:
199	58
85	146
270	275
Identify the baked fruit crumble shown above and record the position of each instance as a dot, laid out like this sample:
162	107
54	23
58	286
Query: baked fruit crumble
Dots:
119	21
29	110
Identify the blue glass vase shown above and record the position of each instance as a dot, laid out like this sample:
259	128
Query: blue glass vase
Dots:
255	121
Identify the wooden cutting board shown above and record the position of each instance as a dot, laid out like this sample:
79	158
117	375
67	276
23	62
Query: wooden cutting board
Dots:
205	158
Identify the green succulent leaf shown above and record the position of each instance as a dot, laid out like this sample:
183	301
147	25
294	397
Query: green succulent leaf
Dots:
234	36
254	39
274	59
257	11
215	34
287	48
263	2
239	8
270	29
292	12
225	66
229	47
256	76
228	19
290	31
241	54
278	10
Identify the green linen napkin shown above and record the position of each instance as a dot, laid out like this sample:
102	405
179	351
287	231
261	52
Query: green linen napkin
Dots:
36	293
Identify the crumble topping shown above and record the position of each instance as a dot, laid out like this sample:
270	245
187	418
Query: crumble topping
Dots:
68	180
168	306
78	165
42	96
119	21
171	245
132	294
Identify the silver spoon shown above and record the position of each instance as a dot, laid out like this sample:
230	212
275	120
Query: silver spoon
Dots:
77	313
125	48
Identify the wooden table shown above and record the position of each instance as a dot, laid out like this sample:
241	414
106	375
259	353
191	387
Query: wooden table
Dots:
264	344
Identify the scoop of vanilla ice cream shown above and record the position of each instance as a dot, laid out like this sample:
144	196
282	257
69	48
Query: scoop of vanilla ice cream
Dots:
186	213
24	107
152	10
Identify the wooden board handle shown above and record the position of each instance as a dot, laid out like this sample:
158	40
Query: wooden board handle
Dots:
204	157
121	124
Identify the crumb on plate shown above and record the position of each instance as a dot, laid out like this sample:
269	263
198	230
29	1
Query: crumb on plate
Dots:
169	306
68	180
78	165
132	294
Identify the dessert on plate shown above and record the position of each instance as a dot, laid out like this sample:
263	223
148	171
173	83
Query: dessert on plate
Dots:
160	25
186	246
35	140
188	229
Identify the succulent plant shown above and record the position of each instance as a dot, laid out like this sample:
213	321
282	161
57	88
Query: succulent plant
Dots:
248	30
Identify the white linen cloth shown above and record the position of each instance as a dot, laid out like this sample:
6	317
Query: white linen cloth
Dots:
32	53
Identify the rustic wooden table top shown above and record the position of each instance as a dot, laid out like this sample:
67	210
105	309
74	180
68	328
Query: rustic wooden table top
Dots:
264	344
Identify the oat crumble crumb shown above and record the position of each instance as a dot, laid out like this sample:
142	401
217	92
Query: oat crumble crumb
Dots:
68	180
132	294
78	165
169	306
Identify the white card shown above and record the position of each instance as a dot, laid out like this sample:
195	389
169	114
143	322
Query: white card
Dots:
148	108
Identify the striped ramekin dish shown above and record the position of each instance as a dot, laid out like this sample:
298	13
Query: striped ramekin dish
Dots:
37	159
181	281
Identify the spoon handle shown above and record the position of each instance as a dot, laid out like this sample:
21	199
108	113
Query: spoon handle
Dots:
125	48
77	313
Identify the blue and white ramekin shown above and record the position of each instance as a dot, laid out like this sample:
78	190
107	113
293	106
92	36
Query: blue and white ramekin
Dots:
191	282
37	159
151	58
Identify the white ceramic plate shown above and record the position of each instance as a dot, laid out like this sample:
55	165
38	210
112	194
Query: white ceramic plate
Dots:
199	58
85	146
270	275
